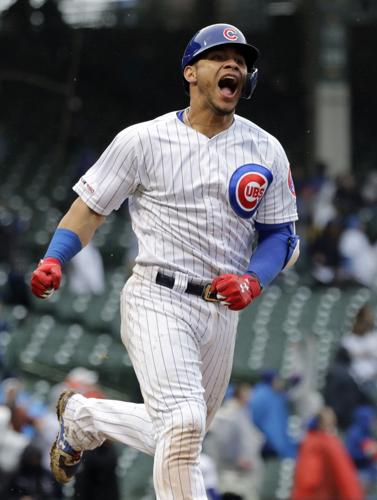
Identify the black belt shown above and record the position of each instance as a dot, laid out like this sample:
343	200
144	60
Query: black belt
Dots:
203	291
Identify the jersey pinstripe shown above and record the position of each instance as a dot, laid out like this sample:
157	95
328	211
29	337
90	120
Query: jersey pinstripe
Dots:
177	180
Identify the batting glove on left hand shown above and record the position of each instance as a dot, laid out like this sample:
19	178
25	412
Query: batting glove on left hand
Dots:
236	292
46	278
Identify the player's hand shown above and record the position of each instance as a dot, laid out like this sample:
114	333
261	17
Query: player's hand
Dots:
46	278
236	292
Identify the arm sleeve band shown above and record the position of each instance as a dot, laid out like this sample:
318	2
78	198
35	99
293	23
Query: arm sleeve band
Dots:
272	251
64	245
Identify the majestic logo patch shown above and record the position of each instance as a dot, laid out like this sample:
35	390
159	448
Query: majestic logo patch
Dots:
230	34
291	185
247	186
87	186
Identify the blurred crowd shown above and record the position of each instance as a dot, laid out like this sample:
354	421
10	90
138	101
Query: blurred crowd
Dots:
330	444
28	427
338	227
332	448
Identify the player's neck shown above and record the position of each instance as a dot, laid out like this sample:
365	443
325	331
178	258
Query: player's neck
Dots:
206	122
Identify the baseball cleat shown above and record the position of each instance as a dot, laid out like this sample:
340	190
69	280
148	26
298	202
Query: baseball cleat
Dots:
64	460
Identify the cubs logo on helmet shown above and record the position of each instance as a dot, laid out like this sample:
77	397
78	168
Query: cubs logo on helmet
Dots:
230	34
247	186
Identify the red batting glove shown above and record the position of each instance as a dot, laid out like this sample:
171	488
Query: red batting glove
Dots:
236	291
46	278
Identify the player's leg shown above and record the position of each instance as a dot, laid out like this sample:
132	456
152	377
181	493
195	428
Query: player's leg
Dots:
165	353
89	421
163	337
217	351
84	423
98	419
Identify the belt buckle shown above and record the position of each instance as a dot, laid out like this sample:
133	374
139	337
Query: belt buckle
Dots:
209	296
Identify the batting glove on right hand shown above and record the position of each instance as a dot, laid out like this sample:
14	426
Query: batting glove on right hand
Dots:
236	292
46	278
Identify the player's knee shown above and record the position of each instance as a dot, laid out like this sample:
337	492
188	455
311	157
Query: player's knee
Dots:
189	422
185	432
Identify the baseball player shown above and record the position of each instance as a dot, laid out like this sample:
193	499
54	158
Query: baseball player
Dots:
203	186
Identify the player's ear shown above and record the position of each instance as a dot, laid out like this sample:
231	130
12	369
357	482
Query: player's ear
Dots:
190	74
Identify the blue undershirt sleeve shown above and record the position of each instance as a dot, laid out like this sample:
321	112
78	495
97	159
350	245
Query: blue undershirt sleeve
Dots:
64	245
272	251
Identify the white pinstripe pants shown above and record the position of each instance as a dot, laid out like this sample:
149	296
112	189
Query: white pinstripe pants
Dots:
182	349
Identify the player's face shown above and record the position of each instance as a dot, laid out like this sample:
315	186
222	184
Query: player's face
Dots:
220	78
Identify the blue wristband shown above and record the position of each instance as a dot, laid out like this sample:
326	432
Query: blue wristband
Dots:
64	245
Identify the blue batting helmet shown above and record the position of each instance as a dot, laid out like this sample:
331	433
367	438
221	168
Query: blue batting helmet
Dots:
217	35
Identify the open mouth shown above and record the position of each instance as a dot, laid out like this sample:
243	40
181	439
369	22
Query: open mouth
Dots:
228	86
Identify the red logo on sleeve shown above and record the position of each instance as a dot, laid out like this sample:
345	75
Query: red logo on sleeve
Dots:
291	185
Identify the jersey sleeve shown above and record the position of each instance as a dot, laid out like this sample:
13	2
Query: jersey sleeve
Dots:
279	203
114	176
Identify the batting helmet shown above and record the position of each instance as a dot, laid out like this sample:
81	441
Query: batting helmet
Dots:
217	35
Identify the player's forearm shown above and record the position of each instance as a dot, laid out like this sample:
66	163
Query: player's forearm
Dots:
81	220
74	231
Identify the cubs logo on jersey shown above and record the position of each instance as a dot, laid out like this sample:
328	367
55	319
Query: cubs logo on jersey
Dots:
247	186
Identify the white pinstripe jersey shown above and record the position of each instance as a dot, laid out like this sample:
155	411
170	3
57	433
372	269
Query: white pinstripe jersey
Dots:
177	181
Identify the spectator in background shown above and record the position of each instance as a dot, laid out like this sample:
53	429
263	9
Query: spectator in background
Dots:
358	254
269	410
369	189
361	343
31	481
12	444
342	392
323	189
362	447
348	196
324	469
25	411
311	187
325	255
83	381
86	275
234	443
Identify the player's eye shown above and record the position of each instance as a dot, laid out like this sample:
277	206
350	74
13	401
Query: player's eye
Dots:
216	57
